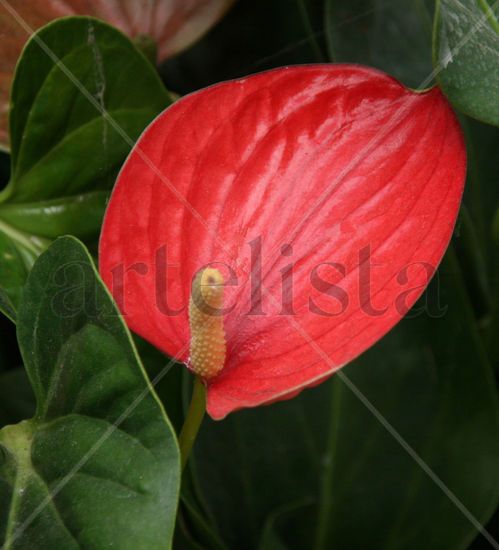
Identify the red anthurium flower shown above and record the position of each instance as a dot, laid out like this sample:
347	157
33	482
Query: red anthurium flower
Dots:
324	196
171	24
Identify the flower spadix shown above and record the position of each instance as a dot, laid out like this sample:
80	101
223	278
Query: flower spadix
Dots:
326	194
207	346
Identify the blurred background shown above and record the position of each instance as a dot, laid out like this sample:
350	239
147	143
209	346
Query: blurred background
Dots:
321	470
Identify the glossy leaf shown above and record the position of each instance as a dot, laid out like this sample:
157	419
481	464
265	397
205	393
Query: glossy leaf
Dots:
170	25
318	164
64	147
465	52
64	152
350	484
79	215
392	36
98	464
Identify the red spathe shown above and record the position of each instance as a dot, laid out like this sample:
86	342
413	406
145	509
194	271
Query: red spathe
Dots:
343	163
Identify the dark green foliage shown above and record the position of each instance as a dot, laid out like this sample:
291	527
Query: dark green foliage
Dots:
399	451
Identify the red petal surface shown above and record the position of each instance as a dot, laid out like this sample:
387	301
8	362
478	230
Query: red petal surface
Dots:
172	24
334	160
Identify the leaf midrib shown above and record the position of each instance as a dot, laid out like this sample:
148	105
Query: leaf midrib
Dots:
13	438
19	444
24	471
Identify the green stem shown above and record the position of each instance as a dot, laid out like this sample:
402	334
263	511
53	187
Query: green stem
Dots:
193	420
324	526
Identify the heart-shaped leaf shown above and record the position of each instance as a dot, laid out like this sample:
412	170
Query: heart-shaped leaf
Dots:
465	53
98	465
327	456
327	194
72	125
64	95
163	26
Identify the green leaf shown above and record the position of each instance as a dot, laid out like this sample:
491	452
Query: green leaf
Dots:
78	215
98	464
81	96
392	36
17	252
430	379
63	141
167	378
465	54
